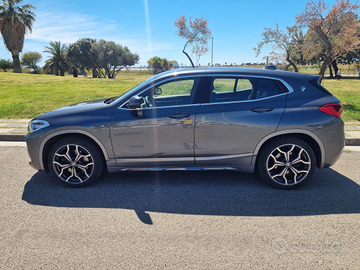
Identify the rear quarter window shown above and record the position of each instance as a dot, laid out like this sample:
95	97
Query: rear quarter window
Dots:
268	88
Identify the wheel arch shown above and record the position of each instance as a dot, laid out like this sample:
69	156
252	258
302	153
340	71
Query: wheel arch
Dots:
50	140
311	139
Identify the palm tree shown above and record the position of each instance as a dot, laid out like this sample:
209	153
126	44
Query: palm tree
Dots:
57	62
15	21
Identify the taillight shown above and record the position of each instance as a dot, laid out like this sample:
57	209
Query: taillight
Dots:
334	109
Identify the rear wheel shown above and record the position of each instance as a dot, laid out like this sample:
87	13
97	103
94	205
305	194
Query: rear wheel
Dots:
286	163
75	162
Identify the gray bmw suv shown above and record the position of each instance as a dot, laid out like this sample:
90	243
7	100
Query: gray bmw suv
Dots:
280	124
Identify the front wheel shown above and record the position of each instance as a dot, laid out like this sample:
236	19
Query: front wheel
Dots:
75	162
286	163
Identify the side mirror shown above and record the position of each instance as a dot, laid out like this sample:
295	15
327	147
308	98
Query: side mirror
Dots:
135	102
134	105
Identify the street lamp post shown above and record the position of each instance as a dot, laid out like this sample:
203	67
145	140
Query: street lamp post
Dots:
212	51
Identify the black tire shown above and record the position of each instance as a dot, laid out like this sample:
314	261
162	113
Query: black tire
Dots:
286	163
75	162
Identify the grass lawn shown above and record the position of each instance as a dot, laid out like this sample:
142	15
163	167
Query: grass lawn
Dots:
27	95
348	91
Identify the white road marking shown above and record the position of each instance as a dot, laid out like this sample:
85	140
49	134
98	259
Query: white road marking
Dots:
22	144
352	148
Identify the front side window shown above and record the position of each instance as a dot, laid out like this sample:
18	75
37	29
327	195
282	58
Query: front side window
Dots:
173	93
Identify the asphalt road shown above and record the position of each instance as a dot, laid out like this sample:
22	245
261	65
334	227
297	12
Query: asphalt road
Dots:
178	220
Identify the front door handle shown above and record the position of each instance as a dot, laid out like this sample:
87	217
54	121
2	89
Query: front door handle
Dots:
262	109
179	115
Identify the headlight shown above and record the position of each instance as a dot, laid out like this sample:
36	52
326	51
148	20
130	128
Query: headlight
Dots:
37	125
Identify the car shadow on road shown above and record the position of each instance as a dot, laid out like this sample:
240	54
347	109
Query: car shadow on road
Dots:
201	193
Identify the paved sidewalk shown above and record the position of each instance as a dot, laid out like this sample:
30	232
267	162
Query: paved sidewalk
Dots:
15	130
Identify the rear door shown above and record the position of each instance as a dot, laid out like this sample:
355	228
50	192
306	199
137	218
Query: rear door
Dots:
239	113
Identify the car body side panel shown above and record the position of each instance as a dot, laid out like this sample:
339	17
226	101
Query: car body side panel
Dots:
72	120
333	138
302	113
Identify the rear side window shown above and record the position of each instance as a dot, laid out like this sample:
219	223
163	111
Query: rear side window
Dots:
267	88
231	89
229	85
244	84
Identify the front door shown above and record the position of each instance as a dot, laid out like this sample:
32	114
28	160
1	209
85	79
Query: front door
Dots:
161	132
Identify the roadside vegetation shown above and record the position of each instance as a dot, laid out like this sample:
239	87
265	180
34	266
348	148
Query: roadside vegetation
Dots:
27	95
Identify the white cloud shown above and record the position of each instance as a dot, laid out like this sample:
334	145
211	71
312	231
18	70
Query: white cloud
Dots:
68	27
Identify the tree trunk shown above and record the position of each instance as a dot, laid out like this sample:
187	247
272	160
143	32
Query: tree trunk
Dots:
328	51
331	73
334	65
291	62
16	64
94	72
75	73
324	66
294	66
191	62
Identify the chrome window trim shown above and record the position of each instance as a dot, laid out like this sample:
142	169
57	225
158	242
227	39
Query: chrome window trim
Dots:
288	87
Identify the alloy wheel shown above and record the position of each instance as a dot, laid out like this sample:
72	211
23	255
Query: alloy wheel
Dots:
288	164
73	163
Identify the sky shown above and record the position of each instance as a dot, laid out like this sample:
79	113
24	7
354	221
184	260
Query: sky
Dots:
147	27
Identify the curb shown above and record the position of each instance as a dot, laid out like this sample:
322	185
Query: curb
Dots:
352	142
21	138
12	138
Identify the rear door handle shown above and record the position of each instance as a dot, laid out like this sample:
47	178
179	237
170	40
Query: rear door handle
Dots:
262	109
179	115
